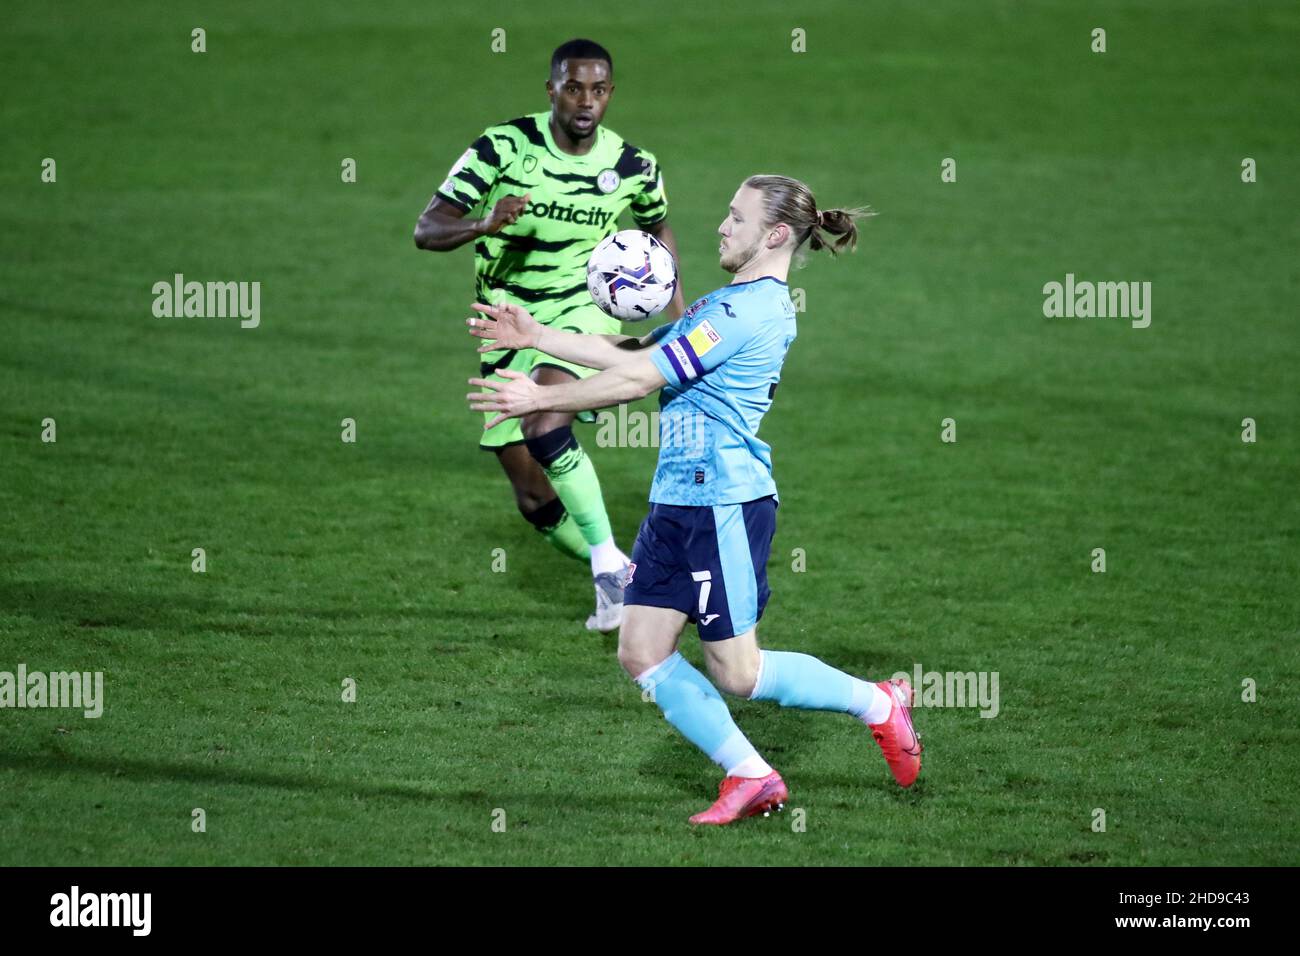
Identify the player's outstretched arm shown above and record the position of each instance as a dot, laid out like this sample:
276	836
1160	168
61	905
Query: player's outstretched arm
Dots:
521	395
443	227
510	326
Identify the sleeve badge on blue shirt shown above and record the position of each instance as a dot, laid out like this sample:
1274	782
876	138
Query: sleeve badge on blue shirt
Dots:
703	337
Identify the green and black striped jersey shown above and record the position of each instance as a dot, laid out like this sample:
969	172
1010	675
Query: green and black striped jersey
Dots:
540	261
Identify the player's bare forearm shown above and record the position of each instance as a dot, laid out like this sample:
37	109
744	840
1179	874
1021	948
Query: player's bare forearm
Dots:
625	382
519	395
443	226
438	232
592	351
509	326
664	233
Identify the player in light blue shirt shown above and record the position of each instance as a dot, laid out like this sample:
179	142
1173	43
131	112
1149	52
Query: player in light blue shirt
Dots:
721	362
701	554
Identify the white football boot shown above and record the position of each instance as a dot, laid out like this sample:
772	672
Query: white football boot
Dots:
609	601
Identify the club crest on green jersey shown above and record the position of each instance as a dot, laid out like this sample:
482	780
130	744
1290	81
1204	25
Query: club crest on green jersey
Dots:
608	180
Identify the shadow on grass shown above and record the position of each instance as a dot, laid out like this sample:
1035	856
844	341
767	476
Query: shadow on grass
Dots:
139	770
151	608
173	612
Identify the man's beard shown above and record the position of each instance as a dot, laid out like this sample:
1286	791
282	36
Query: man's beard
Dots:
733	262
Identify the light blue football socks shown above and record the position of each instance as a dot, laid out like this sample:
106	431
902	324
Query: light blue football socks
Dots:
693	705
800	680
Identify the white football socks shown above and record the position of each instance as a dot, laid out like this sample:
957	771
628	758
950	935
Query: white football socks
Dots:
871	702
606	557
754	766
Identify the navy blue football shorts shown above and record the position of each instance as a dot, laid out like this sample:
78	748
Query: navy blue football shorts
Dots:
709	562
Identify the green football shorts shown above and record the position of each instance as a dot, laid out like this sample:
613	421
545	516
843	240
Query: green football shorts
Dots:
587	320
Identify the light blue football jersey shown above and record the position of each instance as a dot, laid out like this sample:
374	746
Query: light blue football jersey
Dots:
722	360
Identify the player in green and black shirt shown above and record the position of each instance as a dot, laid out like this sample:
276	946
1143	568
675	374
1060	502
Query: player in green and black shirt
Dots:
548	187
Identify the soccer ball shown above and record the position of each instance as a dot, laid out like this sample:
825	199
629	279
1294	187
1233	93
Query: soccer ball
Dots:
631	275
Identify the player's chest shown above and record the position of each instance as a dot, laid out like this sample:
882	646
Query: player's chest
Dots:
566	192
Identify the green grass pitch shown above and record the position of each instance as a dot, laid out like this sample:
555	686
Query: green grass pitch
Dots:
480	691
